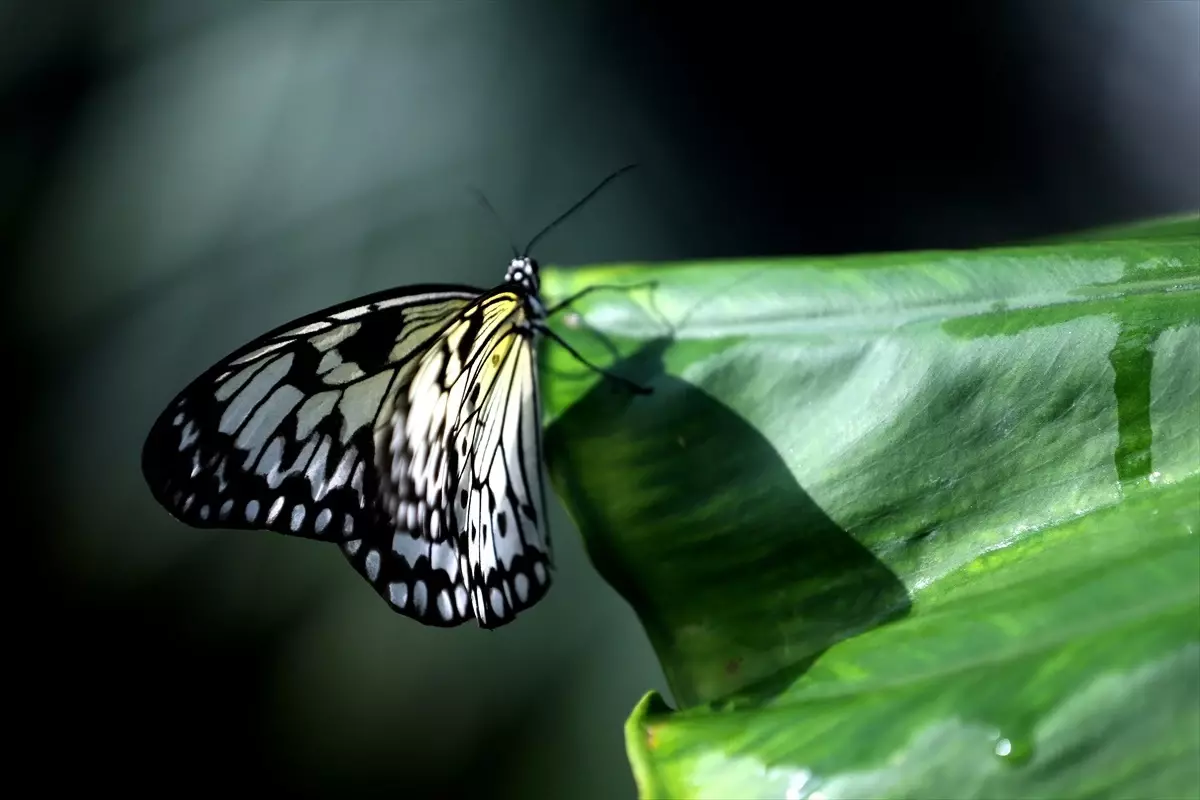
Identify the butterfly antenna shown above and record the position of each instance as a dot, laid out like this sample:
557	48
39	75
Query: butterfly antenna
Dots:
483	201
578	205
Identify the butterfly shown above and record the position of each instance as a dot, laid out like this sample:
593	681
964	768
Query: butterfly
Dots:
403	426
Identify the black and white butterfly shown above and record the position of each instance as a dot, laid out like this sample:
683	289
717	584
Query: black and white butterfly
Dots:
405	426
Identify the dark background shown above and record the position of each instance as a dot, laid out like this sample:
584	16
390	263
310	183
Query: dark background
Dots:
176	177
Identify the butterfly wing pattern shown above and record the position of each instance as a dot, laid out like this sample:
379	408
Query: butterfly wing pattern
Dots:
464	493
499	496
404	426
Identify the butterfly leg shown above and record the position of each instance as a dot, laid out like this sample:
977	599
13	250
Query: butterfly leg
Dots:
552	310
633	387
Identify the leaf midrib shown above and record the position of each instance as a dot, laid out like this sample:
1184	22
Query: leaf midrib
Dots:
893	318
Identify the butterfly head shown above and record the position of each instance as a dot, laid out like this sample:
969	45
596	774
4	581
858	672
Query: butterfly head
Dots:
523	271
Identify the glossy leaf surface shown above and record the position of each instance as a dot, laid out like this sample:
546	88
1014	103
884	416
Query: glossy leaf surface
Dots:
917	524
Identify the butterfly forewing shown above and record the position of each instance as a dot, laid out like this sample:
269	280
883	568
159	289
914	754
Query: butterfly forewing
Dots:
280	435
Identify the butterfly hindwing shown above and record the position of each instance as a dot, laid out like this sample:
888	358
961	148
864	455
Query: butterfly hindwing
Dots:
463	393
280	435
499	507
413	562
411	557
418	577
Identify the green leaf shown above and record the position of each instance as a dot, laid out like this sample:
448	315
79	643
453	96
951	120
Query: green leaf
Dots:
1159	227
917	524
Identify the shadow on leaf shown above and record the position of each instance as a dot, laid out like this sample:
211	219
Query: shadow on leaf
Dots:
740	579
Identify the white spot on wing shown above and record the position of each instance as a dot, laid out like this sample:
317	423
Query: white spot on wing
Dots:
351	313
395	301
443	604
260	352
188	436
409	547
312	327
328	361
360	403
497	602
420	597
313	411
268	463
265	420
317	468
229	385
521	583
222	484
356	483
443	557
245	400
336	336
372	565
398	594
343	373
460	599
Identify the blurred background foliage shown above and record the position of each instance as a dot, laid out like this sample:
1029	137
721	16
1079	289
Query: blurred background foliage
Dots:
176	177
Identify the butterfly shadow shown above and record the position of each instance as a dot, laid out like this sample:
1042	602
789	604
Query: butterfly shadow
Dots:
739	577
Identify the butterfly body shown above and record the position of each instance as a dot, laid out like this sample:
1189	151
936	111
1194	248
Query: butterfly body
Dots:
403	427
